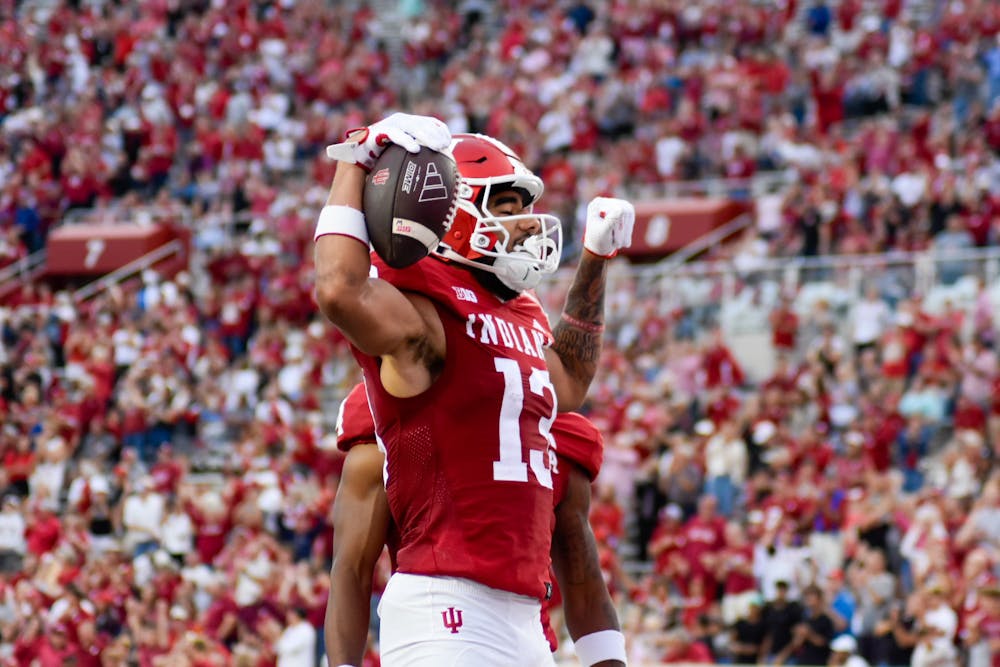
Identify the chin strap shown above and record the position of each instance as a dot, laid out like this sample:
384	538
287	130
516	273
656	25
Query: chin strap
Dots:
515	272
518	269
503	276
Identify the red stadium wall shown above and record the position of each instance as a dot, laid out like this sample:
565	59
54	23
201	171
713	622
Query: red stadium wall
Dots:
663	226
97	249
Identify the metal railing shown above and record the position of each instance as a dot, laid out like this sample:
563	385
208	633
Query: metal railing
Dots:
713	238
923	270
731	188
120	215
21	271
747	290
137	266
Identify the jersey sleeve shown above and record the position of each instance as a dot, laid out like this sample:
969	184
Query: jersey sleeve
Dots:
579	441
355	425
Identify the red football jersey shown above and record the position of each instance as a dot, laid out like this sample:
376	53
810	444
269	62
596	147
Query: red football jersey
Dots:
354	420
577	441
468	474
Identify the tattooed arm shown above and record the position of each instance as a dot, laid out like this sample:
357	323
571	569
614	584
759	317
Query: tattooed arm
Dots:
578	333
586	602
577	346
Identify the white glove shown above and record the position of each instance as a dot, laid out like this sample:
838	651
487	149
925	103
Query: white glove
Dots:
609	226
409	131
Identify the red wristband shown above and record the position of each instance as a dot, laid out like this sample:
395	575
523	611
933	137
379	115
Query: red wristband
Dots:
592	327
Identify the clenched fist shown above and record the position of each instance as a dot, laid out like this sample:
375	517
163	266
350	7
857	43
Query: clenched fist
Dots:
609	226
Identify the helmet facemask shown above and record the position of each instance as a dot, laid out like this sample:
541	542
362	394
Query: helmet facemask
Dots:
518	264
479	238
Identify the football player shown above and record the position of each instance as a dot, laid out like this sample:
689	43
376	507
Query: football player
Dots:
464	378
362	525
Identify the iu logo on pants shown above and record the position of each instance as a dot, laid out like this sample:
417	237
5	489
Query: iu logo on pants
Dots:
452	619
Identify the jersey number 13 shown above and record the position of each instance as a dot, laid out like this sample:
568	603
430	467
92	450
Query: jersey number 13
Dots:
511	466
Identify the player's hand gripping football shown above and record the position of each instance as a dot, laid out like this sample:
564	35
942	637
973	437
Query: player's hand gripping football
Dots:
407	130
609	226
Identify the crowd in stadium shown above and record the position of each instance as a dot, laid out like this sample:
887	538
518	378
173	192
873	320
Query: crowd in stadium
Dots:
168	466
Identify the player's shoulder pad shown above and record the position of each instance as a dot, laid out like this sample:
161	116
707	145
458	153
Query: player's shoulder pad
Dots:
355	425
578	440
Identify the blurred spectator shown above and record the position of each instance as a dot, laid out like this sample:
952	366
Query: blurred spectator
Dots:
682	477
747	635
13	546
177	530
296	647
813	635
142	518
680	648
936	629
726	466
982	629
784	327
781	617
735	573
606	516
947	245
719	364
869	319
843	653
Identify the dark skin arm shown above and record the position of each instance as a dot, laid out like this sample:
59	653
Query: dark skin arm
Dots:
360	521
579	332
586	602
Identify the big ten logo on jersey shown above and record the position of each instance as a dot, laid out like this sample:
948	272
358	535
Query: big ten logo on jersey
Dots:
493	330
465	294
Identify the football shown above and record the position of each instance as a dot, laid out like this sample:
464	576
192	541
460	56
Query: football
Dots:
409	203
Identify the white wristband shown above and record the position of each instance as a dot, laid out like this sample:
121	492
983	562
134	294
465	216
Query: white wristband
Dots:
342	220
600	646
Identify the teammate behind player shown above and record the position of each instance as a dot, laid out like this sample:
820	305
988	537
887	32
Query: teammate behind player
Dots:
362	524
463	376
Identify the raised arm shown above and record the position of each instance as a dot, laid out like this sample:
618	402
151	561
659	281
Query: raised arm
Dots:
590	614
579	332
372	314
360	522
